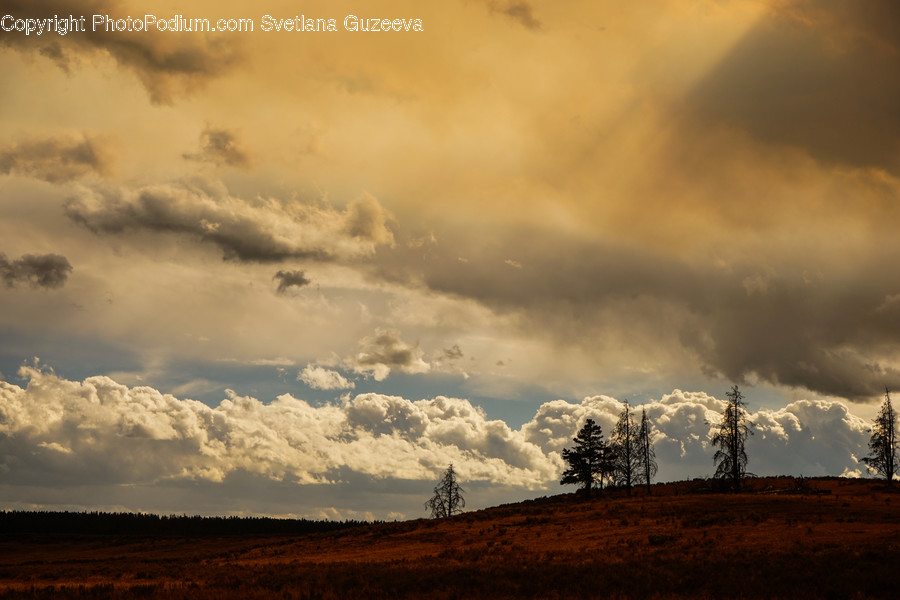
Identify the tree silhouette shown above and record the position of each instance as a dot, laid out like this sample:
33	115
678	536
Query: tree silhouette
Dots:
589	460
646	463
624	447
883	443
731	458
447	500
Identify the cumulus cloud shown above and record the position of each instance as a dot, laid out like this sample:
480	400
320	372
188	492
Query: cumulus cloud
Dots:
98	434
289	279
56	159
221	147
259	230
811	436
804	438
166	64
386	351
44	270
60	432
320	378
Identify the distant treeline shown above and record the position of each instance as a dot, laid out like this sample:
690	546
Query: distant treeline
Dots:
87	523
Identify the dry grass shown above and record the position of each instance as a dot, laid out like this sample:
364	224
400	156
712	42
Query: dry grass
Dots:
822	538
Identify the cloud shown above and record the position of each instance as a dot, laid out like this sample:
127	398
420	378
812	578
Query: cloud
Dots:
806	437
56	159
221	147
320	378
386	351
366	219
453	353
518	11
263	230
808	63
289	279
811	437
45	270
167	64
805	321
97	432
99	438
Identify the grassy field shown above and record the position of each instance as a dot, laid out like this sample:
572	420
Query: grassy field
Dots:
781	538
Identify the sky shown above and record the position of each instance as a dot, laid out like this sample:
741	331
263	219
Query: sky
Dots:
298	273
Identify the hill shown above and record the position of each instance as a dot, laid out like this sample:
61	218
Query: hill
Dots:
781	538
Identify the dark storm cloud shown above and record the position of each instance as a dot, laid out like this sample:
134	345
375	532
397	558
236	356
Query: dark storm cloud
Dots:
259	230
45	270
823	76
551	269
832	333
57	159
220	146
166	63
289	279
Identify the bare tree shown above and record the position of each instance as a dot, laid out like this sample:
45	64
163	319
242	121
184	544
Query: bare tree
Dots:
624	447
646	462
883	443
447	500
589	460
731	458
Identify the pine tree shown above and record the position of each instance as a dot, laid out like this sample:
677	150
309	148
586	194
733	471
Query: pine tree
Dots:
731	458
883	443
447	500
624	450
588	460
647	467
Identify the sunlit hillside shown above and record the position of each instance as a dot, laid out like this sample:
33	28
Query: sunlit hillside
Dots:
780	538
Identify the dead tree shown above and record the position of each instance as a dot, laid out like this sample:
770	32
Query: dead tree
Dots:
647	466
624	446
447	500
731	457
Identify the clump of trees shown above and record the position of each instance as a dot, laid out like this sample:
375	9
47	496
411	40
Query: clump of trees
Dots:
883	443
627	460
731	457
447	500
624	445
634	461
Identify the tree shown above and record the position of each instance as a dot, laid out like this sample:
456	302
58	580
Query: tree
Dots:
883	443
447	500
588	460
646	463
624	447
731	458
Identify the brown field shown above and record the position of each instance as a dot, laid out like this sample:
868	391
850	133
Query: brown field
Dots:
781	538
